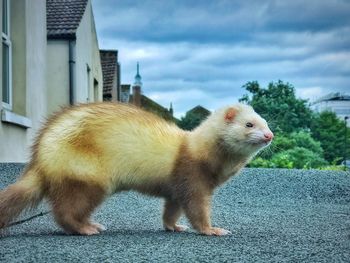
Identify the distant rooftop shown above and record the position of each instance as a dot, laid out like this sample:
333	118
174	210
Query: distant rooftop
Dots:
333	96
199	110
152	106
109	60
63	17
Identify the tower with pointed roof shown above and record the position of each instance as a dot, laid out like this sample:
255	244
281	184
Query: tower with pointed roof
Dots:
136	88
138	76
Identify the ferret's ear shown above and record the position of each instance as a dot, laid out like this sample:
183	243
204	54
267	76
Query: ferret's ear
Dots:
230	114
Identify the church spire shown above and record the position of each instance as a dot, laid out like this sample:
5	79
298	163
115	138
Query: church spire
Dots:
138	76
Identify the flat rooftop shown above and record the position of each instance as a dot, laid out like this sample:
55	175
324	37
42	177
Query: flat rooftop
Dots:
275	215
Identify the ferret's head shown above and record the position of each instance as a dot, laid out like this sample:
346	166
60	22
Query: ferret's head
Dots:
243	130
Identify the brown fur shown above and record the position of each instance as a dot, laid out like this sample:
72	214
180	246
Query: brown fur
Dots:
193	184
25	194
73	203
16	196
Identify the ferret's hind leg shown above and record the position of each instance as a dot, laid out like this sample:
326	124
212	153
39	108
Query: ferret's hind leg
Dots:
73	203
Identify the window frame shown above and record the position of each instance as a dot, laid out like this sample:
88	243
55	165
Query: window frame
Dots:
6	40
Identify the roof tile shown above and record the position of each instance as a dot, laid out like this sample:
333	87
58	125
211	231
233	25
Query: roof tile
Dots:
63	17
109	60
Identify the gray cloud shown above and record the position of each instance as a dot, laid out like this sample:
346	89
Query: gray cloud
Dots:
202	52
217	21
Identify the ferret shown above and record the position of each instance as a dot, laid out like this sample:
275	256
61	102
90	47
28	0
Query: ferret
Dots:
88	152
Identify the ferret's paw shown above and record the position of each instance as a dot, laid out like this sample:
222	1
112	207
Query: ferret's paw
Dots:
88	230
99	226
180	228
216	231
176	228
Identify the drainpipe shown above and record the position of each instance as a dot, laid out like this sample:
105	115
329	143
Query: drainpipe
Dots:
71	48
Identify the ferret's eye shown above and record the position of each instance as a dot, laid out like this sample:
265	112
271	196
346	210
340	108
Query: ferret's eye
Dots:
249	125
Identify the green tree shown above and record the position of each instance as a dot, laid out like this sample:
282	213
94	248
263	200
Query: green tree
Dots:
193	118
294	150
190	121
305	140
278	104
330	131
301	158
281	160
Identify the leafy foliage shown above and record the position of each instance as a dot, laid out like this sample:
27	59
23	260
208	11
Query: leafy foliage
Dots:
296	150
278	104
303	139
301	158
279	161
330	131
193	119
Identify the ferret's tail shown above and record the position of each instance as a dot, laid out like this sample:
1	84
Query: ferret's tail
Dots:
26	193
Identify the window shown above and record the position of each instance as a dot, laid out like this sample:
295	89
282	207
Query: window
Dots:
96	90
342	111
88	70
6	56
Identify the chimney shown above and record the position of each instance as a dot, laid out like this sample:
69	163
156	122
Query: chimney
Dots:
171	110
136	95
125	93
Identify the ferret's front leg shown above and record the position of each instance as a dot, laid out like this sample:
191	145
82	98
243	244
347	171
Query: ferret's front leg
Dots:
197	210
172	212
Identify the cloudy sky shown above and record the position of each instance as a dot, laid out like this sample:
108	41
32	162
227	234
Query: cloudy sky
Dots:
202	52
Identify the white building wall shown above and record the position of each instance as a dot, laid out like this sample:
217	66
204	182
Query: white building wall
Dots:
340	107
57	75
87	56
36	65
85	50
41	74
28	67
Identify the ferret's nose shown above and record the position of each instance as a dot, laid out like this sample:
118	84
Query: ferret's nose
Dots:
268	136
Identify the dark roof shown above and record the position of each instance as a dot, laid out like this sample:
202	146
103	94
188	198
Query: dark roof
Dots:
152	106
63	17
109	60
199	110
333	96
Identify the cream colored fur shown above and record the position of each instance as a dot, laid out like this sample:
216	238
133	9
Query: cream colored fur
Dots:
129	147
125	147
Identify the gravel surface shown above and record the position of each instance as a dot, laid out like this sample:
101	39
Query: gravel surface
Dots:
275	215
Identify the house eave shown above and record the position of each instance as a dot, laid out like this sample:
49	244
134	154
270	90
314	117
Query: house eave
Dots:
62	36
